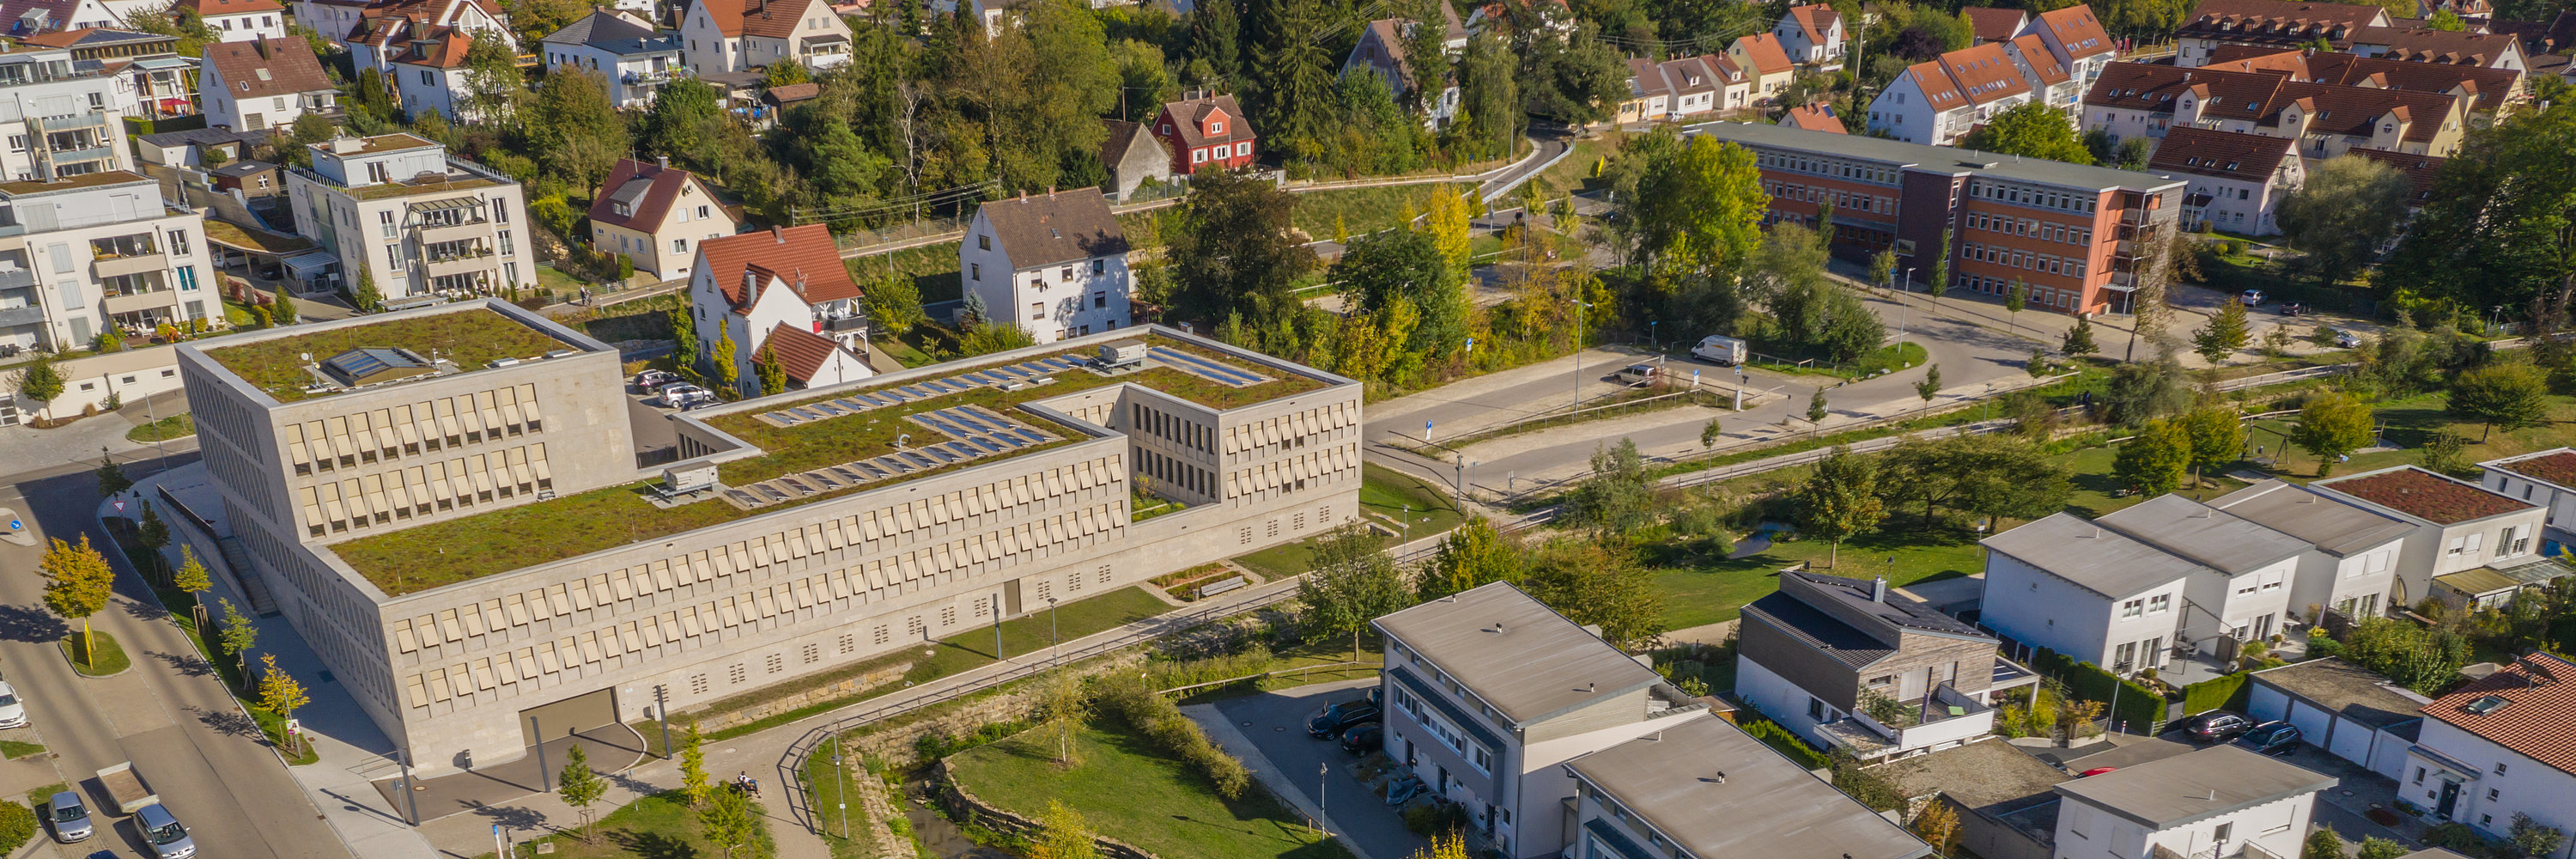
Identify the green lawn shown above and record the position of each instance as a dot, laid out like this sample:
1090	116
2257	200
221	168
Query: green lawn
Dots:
661	826
1703	590
1388	498
904	352
2407	424
14	749
563	284
932	268
105	655
1362	210
826	792
172	427
1128	790
1575	172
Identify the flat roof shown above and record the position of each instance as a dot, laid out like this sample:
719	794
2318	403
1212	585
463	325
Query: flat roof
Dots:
2329	524
1939	159
2204	534
825	437
2100	559
2422	494
1989	775
99	179
234	235
470	334
2198	786
1515	653
2556	466
432	185
2351	691
1701	782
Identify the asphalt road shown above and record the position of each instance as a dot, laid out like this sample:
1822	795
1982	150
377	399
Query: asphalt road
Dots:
1275	722
169	714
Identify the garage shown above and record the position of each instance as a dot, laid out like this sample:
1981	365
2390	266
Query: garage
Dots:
569	716
2342	708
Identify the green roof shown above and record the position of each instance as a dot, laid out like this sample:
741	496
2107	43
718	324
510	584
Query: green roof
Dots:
473	337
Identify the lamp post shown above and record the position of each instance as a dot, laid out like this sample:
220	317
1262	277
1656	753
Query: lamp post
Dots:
840	793
1653	341
1579	305
1053	640
1322	769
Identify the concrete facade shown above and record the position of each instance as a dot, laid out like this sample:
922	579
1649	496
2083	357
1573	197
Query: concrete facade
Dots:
80	255
59	115
417	220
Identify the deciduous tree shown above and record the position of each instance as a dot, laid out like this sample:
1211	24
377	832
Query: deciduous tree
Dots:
1840	500
280	694
2347	210
1930	386
2217	436
1597	581
694	783
772	374
2332	425
728	822
1062	832
727	372
1475	554
2154	460
41	381
1232	253
78	582
2032	129
1353	582
2225	333
239	635
1618	495
2508	394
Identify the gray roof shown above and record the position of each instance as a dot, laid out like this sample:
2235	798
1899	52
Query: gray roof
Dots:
1990	776
1516	654
2349	690
202	137
1054	227
1794	614
1938	159
2204	534
1674	778
2099	559
2198	786
244	168
606	30
2331	525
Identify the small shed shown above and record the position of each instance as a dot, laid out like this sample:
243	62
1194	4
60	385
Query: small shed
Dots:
2342	708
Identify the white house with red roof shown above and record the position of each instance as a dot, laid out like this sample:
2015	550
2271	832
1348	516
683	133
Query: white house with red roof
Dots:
2075	36
746	286
811	360
2238	179
1209	132
239	20
1055	263
1761	57
2501	746
2050	81
1938	101
1814	117
1812	36
386	28
740	35
428	75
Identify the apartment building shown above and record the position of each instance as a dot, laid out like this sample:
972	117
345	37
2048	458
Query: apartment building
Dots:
1938	101
1847	665
2079	236
2220	802
2546	478
2238	179
84	254
626	51
416	428
1703	788
2497	747
2356	550
2491	87
1055	264
265	83
751	286
2277	24
656	216
2076	38
402	211
2140	99
2449	47
60	115
1490	692
1993	24
741	35
2051	82
2469	544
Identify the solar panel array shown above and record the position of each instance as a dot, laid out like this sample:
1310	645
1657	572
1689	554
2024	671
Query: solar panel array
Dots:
1205	368
975	432
1026	372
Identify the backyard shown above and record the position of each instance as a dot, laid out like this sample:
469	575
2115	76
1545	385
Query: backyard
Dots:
1130	791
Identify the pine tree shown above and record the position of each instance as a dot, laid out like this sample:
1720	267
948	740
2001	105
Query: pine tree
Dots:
284	310
684	332
773	375
2225	333
367	296
1816	408
111	476
42	382
2079	339
727	375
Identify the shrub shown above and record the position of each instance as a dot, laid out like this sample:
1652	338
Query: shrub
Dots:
17	824
1779	738
1161	722
1436	818
2458	838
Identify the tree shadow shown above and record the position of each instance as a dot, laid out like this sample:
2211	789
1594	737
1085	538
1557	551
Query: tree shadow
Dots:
511	816
230	723
31	624
187	664
651	845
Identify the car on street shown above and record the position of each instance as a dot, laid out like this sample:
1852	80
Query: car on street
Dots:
683	395
69	817
2347	340
2271	738
13	712
169	840
1343	716
2250	298
1638	374
2216	726
1363	739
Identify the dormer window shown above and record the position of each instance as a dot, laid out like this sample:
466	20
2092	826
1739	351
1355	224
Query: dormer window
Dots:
1217	127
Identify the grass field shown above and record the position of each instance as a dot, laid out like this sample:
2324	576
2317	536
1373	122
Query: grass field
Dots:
1388	498
1129	790
661	826
104	655
827	793
172	427
1702	590
1362	210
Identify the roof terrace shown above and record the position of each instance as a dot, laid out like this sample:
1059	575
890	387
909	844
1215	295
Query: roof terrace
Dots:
470	338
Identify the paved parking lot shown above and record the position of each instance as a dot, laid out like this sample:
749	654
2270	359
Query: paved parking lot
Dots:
1274	724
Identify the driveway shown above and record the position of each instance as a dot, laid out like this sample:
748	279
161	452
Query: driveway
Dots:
2342	807
1273	724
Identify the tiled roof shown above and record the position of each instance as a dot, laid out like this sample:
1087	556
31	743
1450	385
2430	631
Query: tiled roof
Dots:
1995	25
228	7
89	36
647	189
1646	78
798	351
1984	73
2491	85
438	48
769	19
786	94
2221	154
803	256
2078	31
615	32
1765	52
1189	119
2043	65
1937	89
261	68
2260	58
1817	19
2554	466
1123	136
2424	495
2537	716
2420	171
2439	46
2260	97
1815	117
1064	226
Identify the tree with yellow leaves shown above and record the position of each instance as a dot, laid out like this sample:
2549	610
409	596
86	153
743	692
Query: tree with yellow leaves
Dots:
1447	222
1449	845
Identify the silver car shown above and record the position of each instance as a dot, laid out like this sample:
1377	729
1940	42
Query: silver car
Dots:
70	817
169	840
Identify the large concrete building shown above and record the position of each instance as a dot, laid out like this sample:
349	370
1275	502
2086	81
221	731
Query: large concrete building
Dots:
448	505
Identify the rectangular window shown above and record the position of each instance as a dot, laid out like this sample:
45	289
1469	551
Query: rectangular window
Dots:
2133	608
506	248
1037	310
384	219
179	242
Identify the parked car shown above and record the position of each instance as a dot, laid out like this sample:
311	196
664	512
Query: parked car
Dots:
169	840
1363	739
13	712
2250	298
1343	716
2347	339
683	395
654	379
2295	309
2216	726
70	818
2271	738
1638	374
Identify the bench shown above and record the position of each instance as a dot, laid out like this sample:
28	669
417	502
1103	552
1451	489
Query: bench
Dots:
1214	588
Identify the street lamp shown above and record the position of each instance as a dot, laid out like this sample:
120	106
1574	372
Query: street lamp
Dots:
1322	769
841	793
1579	305
1651	340
1053	640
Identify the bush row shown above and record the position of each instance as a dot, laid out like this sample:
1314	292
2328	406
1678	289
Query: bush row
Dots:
1161	721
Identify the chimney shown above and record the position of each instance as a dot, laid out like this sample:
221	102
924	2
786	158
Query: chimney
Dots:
1878	589
663	160
777	234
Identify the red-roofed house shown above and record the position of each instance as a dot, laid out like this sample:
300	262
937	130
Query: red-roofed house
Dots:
428	75
248	86
239	20
1938	102
2141	99
813	360
1762	58
2422	45
1990	24
1812	36
2237	179
747	285
1814	117
2465	535
2547	478
2270	24
2500	746
2051	82
386	28
1211	132
738	35
656	216
2078	40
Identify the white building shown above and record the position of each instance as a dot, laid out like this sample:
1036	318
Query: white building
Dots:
625	51
2238	179
1812	36
2221	802
2355	551
401	211
740	35
334	19
2498	747
240	20
747	287
99	250
385	27
2342	708
60	115
2466	540
268	83
1938	101
2124	591
2547	478
1704	788
2078	41
429	76
1056	263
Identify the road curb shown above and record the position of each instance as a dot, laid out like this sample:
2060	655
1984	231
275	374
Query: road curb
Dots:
65	649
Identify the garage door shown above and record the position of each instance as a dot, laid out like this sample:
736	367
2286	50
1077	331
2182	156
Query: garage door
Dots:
568	716
2313	722
2266	704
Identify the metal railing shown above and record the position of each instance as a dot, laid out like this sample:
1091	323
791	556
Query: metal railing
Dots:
2283	376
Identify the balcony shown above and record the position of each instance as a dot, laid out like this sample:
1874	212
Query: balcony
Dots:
16	278
851	325
158	299
25	314
81	155
1946	718
653	77
455	232
454	264
118	266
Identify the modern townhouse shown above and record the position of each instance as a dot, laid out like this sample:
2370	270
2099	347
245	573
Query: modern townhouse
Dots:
84	254
403	212
2341	708
656	217
2469	546
265	83
1846	665
1702	789
2357	549
1938	101
1206	132
1760	57
239	20
2546	478
2497	747
2142	100
60	116
2279	24
2074	234
2170	577
741	35
1812	36
749	287
2238	179
2220	802
634	60
1489	691
1054	264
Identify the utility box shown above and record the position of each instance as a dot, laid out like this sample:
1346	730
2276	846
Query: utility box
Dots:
1122	353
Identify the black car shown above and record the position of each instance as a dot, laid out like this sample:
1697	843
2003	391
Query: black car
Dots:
1363	739
2271	738
2216	726
1341	717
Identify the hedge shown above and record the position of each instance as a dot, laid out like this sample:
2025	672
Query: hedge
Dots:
1779	737
2218	693
2136	706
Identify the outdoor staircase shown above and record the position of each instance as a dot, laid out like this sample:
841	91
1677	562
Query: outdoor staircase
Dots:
246	577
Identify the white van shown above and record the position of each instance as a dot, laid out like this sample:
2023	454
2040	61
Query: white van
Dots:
1724	350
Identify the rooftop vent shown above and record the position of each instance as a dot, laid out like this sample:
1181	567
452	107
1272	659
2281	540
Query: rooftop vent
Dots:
2487	705
1122	353
373	366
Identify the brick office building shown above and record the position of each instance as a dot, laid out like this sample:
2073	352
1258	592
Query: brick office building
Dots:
2081	237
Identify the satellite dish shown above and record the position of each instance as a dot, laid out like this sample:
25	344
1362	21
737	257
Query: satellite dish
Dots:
307	357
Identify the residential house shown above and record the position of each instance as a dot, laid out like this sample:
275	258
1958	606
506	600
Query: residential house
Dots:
1133	157
2268	24
1814	117
22	18
331	18
2492	87
269	83
1206	132
1650	97
2547	478
1489	692
747	286
1381	51
811	360
197	147
114	255
401	211
428	75
157	83
239	20
2342	708
1055	263
253	179
2468	542
385	28
1992	24
60	116
1939	101
2498	747
656	216
2077	39
1703	787
2357	549
2420	172
1811	36
1761	57
635	60
741	35
2238	179
2050	81
2131	589
2454	47
1704	85
2138	99
1845	665
2476	13
2221	802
